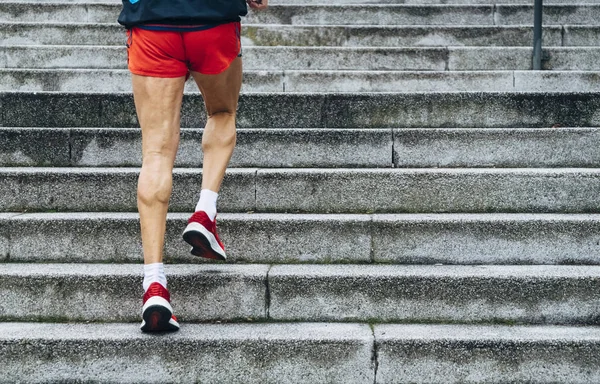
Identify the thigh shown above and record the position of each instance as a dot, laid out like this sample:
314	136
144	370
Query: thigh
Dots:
158	105
221	91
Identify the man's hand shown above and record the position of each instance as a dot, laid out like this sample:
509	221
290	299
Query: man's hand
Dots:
258	4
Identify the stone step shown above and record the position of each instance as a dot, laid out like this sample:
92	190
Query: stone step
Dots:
312	148
120	147
330	110
476	190
294	35
119	80
294	353
319	14
300	353
325	58
375	293
344	2
548	239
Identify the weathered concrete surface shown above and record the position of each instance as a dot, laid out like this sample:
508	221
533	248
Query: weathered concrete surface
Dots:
34	147
294	35
5	235
111	189
254	353
519	147
486	354
566	13
410	293
331	110
428	190
486	239
113	292
250	238
255	148
265	58
118	80
111	81
293	238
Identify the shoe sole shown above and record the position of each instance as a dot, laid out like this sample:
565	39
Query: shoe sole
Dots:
204	244
158	317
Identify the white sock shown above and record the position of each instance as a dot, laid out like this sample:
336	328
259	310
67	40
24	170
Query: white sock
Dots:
208	203
154	273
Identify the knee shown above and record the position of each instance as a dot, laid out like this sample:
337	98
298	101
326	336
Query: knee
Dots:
154	184
220	132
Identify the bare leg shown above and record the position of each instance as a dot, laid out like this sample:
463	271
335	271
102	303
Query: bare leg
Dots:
158	106
220	94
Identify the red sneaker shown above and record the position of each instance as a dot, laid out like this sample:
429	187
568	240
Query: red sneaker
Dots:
201	234
157	314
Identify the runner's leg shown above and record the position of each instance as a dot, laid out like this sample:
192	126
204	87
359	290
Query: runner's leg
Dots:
220	93
158	105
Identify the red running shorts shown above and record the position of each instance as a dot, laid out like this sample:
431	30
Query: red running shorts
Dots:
165	53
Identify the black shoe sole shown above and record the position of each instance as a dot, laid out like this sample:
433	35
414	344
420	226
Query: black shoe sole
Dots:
156	319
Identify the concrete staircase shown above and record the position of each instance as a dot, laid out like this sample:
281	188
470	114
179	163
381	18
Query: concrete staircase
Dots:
408	202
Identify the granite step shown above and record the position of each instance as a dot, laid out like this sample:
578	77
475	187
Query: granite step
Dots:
449	239
295	35
315	148
444	190
325	58
328	110
119	80
300	353
319	14
537	294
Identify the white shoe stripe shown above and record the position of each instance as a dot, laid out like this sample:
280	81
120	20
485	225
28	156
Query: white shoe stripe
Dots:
214	244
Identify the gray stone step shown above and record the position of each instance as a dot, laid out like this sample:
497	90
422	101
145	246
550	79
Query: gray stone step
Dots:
119	80
273	35
476	190
293	353
456	354
298	238
319	14
374	293
346	353
325	58
331	110
113	292
322	148
380	293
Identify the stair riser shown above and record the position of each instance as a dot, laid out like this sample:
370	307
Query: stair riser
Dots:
315	148
445	239
460	110
324	58
122	147
447	294
265	35
315	191
533	295
203	293
416	14
223	354
106	81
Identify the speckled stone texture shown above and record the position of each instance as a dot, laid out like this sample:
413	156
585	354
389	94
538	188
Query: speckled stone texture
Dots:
5	234
280	110
428	190
551	147
456	354
252	238
255	148
487	239
411	293
229	353
113	292
112	189
291	238
34	147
